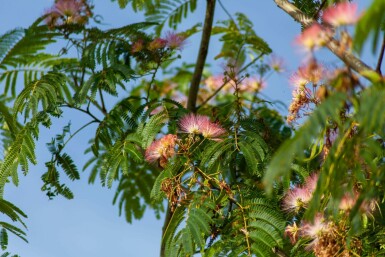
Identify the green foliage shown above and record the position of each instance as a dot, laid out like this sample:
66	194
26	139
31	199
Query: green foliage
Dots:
171	12
296	146
368	26
16	215
239	40
309	7
46	92
20	53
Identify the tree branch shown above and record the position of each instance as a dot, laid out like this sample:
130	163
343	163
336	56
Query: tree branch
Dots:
206	33
333	44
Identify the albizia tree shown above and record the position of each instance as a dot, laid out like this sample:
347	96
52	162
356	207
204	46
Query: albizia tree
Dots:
225	167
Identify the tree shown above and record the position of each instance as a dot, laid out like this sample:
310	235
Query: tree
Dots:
236	182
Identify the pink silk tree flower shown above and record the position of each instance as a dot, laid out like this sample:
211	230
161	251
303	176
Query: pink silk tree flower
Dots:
341	14
192	123
276	63
68	7
313	37
297	80
311	182
296	199
212	130
161	149
174	40
199	124
315	228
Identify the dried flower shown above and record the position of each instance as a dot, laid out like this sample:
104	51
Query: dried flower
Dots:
344	13
161	150
292	232
137	46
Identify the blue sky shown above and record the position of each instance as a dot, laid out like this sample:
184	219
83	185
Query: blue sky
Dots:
89	225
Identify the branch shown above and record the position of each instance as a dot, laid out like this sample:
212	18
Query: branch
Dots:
206	33
333	44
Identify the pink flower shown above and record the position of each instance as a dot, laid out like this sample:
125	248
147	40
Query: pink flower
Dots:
313	37
297	80
296	199
156	44
161	150
199	124
276	63
315	228
311	182
68	12
192	123
348	201
174	40
341	14
212	130
312	72
68	7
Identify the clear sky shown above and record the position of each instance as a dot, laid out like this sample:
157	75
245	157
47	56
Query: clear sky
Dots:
89	225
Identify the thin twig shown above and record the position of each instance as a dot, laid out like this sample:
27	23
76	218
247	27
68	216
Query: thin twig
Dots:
226	81
381	57
82	110
104	110
151	82
227	12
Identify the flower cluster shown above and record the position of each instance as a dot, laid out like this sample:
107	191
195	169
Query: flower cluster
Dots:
161	150
66	12
199	124
172	41
312	73
326	237
316	36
